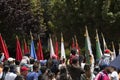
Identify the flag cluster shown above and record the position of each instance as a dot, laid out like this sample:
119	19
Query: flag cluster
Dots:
37	53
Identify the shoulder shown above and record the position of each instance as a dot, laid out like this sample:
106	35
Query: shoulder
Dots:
114	74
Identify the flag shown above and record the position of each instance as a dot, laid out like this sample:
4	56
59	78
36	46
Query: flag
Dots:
98	48
62	48
26	49
32	49
39	50
73	43
104	43
3	48
88	52
18	50
76	45
52	53
6	47
113	53
56	49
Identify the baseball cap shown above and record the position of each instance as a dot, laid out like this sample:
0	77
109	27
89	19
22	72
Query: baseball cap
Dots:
107	51
11	59
24	68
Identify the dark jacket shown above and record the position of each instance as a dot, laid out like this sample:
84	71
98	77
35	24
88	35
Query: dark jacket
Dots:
75	72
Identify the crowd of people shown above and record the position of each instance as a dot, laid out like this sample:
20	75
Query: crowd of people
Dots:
57	69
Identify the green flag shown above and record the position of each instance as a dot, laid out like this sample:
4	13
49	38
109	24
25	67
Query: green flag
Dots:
98	48
88	52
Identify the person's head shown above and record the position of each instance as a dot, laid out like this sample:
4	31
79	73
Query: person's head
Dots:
17	62
51	76
106	68
13	68
35	68
32	61
63	70
6	68
43	69
87	67
81	58
112	68
107	52
11	60
24	70
73	51
75	61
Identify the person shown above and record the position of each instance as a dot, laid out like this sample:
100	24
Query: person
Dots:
51	76
25	59
62	64
114	74
63	75
1	70
34	74
104	74
19	77
106	58
73	54
87	75
11	74
11	61
1	56
75	70
24	71
5	71
55	64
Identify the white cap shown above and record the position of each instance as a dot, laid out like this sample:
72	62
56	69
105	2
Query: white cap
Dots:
11	59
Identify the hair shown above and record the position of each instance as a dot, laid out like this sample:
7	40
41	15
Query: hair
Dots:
74	60
35	67
113	68
87	67
73	51
13	68
17	62
43	69
6	68
32	61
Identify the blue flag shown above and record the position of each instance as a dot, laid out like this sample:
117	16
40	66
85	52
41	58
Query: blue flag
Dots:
32	50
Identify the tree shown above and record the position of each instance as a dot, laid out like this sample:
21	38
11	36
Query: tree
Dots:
18	17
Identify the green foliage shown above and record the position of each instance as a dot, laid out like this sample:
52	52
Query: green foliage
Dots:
56	16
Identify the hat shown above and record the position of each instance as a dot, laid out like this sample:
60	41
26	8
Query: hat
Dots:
104	66
24	68
43	62
11	59
107	51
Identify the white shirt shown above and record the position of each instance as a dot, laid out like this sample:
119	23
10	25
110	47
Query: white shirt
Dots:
25	60
114	75
10	76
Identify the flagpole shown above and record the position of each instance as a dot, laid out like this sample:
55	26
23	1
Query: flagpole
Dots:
104	42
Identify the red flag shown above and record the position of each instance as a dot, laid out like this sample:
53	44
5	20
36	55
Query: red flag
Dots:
73	43
56	49
39	51
6	47
3	48
26	49
18	49
76	45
